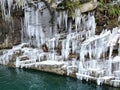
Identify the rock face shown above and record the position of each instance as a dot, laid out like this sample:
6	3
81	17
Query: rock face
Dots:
10	32
88	6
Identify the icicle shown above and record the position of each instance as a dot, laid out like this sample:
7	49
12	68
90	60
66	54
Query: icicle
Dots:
3	7
110	52
93	24
17	62
53	44
80	66
7	41
100	48
119	18
70	27
74	45
119	48
7	55
99	81
82	53
42	36
77	18
59	19
10	2
33	27
90	52
110	58
37	35
65	49
6	13
65	18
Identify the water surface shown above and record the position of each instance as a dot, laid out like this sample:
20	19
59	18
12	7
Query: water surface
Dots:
22	79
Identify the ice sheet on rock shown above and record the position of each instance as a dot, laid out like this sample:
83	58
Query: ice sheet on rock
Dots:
116	59
95	38
113	37
115	83
117	74
71	66
85	77
6	57
51	62
52	43
101	80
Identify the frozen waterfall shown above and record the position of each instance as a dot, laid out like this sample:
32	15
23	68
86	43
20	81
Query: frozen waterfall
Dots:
71	44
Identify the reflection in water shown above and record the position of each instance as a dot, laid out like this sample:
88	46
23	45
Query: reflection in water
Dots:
22	79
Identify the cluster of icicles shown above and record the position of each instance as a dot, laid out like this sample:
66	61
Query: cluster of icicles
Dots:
95	51
8	5
92	49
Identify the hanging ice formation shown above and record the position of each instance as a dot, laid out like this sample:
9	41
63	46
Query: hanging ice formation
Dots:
71	43
6	13
33	28
8	5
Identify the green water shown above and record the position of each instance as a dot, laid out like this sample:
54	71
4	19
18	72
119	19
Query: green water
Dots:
19	79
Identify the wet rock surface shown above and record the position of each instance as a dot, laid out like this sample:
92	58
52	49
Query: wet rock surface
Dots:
10	32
